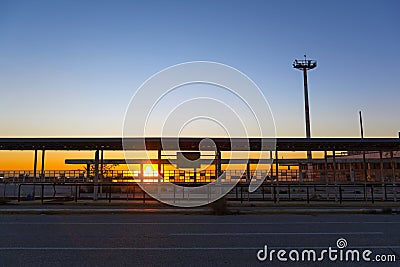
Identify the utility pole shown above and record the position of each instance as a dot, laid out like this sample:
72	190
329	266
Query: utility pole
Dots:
364	160
361	125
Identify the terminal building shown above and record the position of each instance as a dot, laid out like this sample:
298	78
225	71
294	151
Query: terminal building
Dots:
336	160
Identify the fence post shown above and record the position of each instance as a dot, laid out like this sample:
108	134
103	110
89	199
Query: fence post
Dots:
365	193
236	189
109	193
263	192
208	194
372	193
5	190
175	194
384	185
19	192
241	194
76	193
42	193
340	194
308	195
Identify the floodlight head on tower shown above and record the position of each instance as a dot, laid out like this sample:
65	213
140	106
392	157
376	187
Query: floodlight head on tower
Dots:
305	63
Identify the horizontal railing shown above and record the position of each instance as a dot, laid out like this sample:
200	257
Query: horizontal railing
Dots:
50	192
205	176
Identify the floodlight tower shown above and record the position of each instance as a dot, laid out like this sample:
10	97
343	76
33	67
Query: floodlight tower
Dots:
306	65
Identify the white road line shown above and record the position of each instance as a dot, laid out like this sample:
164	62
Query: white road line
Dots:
276	233
187	223
126	248
186	248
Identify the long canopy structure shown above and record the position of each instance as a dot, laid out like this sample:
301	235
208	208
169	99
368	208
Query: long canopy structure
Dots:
222	144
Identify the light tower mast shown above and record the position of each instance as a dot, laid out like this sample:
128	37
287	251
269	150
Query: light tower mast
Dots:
306	65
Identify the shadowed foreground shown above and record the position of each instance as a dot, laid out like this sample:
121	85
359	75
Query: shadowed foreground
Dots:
186	240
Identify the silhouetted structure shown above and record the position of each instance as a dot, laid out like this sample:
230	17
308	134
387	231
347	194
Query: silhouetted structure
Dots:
306	65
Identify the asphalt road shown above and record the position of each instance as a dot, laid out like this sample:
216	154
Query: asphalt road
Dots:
191	240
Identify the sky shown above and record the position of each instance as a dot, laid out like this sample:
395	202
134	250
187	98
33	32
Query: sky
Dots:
70	68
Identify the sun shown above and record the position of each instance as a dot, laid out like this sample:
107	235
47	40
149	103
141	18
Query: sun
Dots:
149	171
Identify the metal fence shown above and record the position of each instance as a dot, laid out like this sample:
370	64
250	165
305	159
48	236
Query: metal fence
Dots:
205	176
267	192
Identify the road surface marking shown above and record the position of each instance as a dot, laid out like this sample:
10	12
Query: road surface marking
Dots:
277	233
185	248
186	223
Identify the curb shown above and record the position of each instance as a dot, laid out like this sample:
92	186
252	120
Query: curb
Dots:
203	211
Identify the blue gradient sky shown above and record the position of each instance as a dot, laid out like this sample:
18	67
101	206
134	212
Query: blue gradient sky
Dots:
69	68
